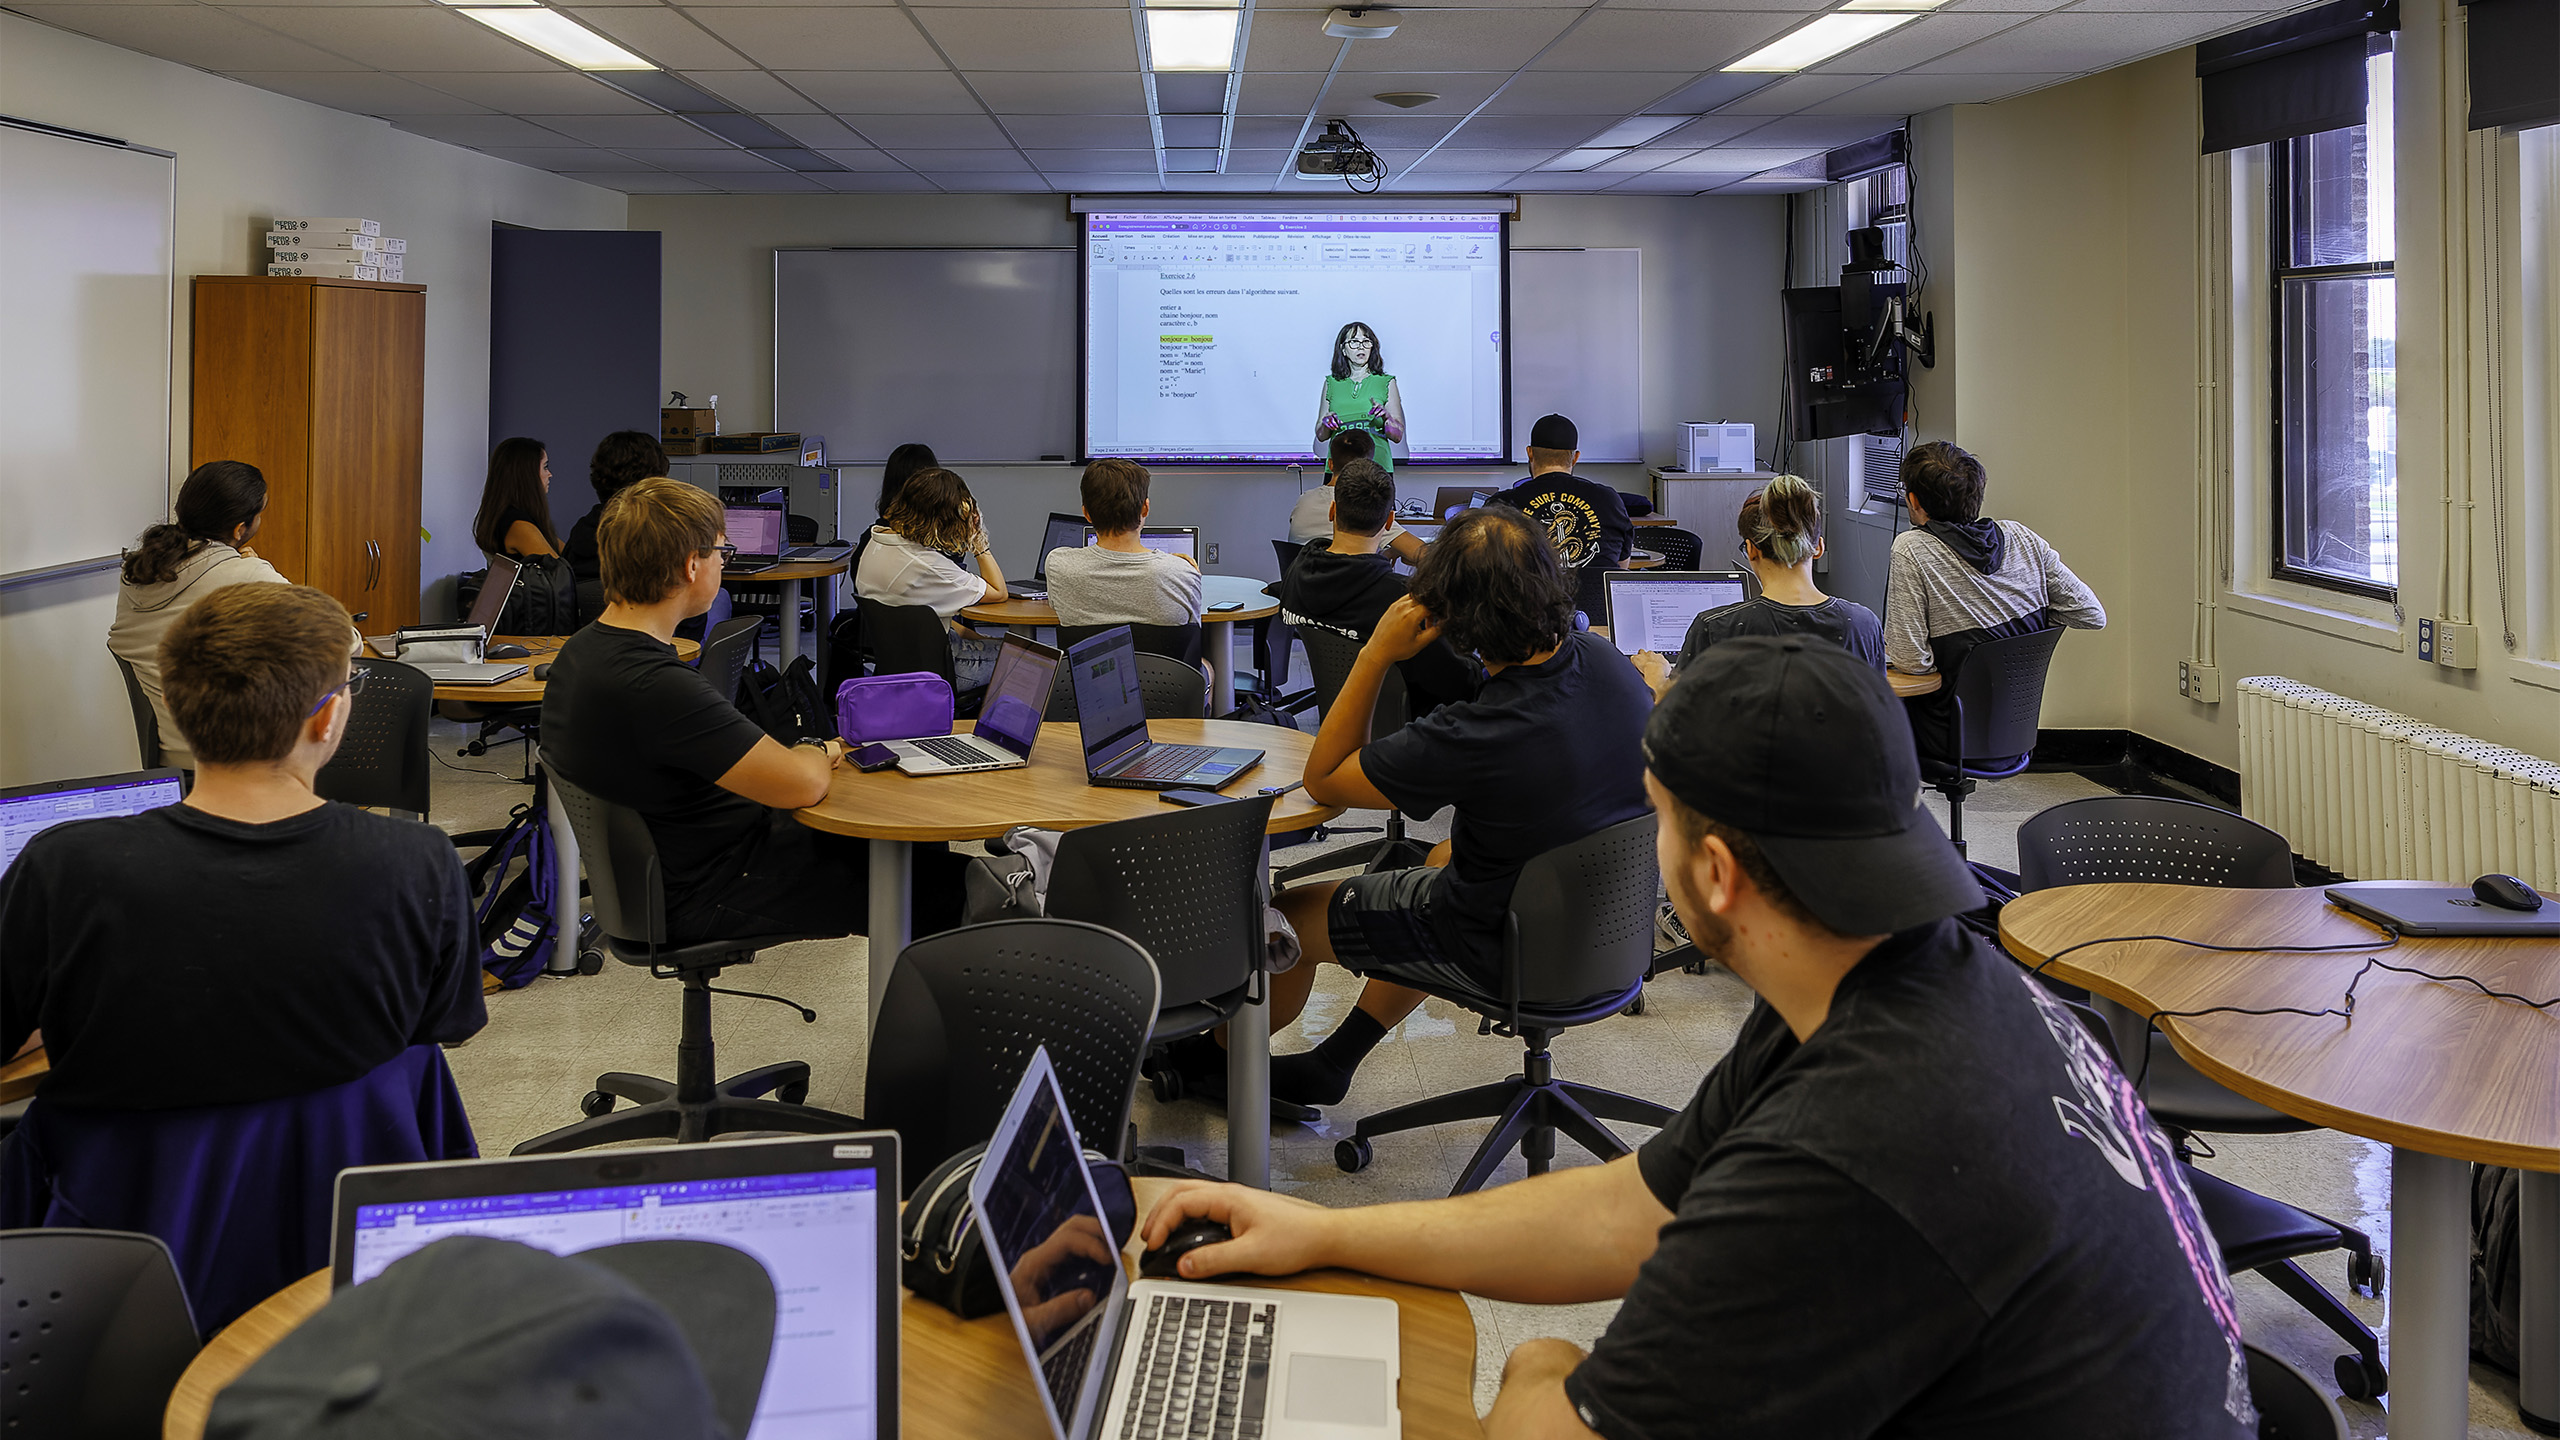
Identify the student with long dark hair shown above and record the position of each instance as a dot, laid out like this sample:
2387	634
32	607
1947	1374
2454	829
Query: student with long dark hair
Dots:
203	549
622	459
904	464
515	501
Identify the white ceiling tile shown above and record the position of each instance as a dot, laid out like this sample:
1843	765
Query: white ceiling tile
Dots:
907	92
626	132
695	162
1740	161
1437	182
758	182
1549	133
1449	160
197	35
1773	185
1014	92
1263	162
567	157
1455	40
1550	92
1636	162
985	182
360	92
1231	183
1660	183
2076	42
1037	40
1459	90
1271	93
719	5
1094	182
2230	10
1611	40
819	132
422	37
663	35
1564	181
1792	94
1081	132
2023	7
552	92
928	132
1266	132
865	38
955	161
862	159
1409	131
1093	161
1912	94
1799	8
872	181
643	182
753	90
1709	130
1294	40
1927	39
1828	131
478	131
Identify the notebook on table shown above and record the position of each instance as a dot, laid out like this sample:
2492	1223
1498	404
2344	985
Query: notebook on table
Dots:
1162	1358
1008	722
27	811
1651	609
820	1214
759	530
1111	721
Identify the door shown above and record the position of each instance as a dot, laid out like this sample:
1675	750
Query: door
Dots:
368	424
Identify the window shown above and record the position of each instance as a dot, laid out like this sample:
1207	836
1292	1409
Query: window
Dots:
2337	520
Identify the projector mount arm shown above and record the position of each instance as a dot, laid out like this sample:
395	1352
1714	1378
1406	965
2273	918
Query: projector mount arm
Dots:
1894	326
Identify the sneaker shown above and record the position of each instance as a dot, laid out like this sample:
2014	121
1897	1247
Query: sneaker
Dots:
1668	932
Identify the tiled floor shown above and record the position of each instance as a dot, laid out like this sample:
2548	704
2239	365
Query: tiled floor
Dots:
545	1044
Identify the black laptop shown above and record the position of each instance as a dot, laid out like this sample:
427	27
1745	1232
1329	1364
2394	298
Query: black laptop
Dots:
1063	532
1111	712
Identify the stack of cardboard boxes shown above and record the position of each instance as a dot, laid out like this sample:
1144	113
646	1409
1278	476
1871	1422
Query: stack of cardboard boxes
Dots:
337	248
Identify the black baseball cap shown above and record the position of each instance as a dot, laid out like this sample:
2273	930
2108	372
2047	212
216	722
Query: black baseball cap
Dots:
1554	432
1804	748
649	1340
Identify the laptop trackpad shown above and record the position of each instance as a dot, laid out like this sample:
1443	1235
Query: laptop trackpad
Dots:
1337	1390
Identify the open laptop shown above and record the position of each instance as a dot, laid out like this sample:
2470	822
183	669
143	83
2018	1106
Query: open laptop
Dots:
1651	609
1182	540
1111	715
820	1214
1448	500
2414	909
27	811
760	531
1063	532
1162	1358
1008	723
495	587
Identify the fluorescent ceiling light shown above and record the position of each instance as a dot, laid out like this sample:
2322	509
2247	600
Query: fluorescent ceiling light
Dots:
1581	159
1191	39
1639	129
1819	41
561	38
1913	5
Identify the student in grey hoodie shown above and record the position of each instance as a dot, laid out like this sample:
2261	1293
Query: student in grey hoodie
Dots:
179	564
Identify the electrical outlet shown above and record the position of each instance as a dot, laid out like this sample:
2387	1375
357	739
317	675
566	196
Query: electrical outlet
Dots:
2426	641
2199	682
1213	552
2186	679
2457	645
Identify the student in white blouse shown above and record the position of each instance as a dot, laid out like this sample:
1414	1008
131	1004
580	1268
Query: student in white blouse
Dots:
905	565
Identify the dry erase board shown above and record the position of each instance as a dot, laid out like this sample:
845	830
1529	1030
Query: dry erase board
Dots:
1577	326
87	257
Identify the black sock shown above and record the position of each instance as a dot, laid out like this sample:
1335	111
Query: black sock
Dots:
1322	1076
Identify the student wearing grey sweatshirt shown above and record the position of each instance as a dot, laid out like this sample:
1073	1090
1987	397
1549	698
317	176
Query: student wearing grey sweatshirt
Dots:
176	565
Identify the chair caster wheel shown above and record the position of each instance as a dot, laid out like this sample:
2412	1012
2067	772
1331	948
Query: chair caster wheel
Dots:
2366	1275
1352	1155
1168	1085
2359	1381
590	961
595	1103
1635	1006
795	1093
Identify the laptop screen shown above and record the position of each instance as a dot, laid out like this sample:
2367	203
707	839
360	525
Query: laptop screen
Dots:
1018	694
754	529
1111	710
31	810
816	1232
1182	540
1450	499
1065	532
1037	1213
1652	610
492	601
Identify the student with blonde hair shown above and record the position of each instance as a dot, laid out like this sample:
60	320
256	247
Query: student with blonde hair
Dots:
1781	529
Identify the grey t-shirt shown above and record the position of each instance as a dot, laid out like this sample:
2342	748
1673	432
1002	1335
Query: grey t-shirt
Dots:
1094	586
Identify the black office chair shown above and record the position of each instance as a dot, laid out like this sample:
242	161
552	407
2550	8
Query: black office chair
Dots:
2155	840
382	758
911	639
2290	1406
631	909
1330	654
146	721
724	656
1174	642
1998	697
966	1008
1169	689
1680	549
98	1333
1576	948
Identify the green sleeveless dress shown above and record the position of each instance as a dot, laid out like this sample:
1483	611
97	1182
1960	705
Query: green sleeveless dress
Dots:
1349	400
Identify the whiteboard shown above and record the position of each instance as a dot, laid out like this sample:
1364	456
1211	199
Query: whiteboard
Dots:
87	280
1577	327
972	352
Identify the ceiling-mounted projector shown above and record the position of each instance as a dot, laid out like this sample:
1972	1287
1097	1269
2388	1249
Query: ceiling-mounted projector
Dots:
1337	152
1360	22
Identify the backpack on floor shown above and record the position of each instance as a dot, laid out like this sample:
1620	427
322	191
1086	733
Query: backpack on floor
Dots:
786	703
518	925
2497	1266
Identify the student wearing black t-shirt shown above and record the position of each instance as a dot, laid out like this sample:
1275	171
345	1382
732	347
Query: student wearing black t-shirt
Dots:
1543	755
1916	1198
1347	582
252	941
627	721
1586	522
1781	529
621	458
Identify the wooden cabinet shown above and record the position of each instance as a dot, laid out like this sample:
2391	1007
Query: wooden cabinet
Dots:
321	384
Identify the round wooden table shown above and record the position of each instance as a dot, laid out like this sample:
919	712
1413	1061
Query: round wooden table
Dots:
2442	1073
1217	627
1907	686
789	575
961	1379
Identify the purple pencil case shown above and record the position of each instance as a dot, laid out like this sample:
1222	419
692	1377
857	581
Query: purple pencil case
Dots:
893	707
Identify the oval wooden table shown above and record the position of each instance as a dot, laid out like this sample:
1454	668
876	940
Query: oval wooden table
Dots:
789	575
895	811
959	1379
1217	628
2442	1073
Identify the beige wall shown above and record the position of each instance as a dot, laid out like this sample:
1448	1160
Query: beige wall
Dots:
245	156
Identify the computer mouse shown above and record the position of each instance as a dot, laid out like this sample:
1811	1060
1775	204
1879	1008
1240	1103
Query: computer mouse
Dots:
506	652
1165	1261
2506	892
542	671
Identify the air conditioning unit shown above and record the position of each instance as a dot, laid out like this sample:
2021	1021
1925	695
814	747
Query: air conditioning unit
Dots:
1875	469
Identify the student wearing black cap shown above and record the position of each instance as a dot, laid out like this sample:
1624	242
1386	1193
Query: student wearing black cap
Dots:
1585	520
1916	1197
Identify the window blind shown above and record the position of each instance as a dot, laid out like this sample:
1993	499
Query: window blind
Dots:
2515	62
2298	75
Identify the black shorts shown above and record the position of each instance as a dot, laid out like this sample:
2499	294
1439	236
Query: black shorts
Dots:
1382	927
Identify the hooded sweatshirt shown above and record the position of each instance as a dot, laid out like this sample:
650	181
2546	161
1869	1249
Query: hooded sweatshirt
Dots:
1351	593
144	614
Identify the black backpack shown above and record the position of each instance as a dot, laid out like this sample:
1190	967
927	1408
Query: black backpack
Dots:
786	703
2497	1266
545	600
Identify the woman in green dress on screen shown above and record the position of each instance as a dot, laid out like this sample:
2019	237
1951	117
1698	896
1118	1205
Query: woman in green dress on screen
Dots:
1359	394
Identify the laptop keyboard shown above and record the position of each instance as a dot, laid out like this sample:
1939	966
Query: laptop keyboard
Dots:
1204	1370
1064	1367
950	751
1168	762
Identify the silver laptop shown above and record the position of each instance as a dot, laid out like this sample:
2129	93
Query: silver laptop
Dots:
1008	723
760	531
2440	910
1182	540
1652	609
1111	722
819	1213
1162	1358
495	588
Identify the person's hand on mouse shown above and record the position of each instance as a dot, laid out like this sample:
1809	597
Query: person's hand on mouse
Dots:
1081	1239
1274	1234
1406	630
